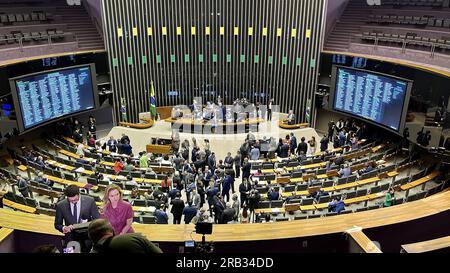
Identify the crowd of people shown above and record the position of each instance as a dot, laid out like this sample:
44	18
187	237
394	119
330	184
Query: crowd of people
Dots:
208	183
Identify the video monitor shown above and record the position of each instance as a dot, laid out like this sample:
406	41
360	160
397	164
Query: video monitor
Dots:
43	97
378	98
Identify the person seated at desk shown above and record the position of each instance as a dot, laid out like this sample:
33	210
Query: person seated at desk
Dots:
207	114
290	118
345	172
339	160
273	194
258	173
316	195
177	114
40	161
330	164
43	180
369	167
82	160
337	205
290	197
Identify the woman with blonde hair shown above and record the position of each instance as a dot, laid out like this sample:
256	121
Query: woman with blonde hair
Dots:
118	212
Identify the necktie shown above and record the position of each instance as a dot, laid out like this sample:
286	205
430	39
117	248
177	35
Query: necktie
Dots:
75	212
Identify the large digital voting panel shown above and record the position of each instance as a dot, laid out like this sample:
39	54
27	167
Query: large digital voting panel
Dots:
372	96
47	96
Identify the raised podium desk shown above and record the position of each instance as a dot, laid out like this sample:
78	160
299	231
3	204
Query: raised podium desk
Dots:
207	127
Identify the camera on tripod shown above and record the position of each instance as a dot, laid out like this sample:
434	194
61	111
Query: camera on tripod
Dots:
204	228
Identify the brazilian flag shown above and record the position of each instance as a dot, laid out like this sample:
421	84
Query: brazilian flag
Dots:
152	101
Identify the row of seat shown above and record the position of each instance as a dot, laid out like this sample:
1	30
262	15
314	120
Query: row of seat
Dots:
27	37
409	20
108	159
35	16
399	39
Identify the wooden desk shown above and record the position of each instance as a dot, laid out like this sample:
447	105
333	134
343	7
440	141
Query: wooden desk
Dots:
162	169
321	206
148	181
107	163
429	206
307	208
69	168
5	233
60	165
18	206
159	149
283	180
283	125
72	155
292	207
69	182
50	193
186	124
272	210
296	193
364	243
368	181
364	198
420	181
427	246
147	123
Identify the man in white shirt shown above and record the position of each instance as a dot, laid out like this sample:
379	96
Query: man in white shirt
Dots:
75	209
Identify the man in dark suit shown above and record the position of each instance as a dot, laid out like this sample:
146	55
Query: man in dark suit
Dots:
226	186
75	209
125	139
229	160
302	146
246	169
227	214
244	190
177	208
161	215
212	162
284	151
189	212
324	143
23	186
293	143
